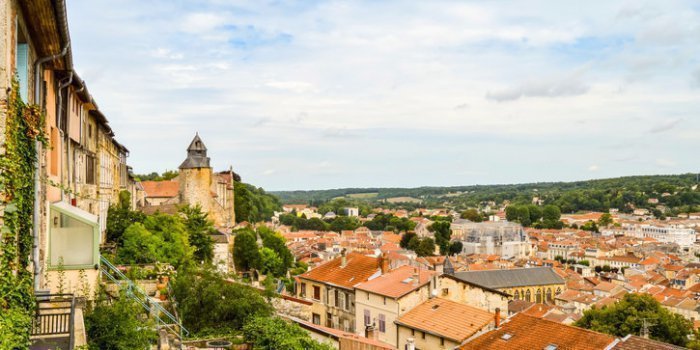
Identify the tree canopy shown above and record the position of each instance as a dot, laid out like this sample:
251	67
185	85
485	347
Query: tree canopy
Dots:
629	314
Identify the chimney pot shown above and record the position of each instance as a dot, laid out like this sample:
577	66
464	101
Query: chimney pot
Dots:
497	318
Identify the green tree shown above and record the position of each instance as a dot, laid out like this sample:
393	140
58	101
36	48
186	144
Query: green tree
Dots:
119	325
245	250
140	246
535	213
551	215
442	232
276	242
426	247
341	223
253	204
207	303
406	238
455	247
605	220
628	315
413	243
176	248
271	263
120	216
472	215
276	333
199	229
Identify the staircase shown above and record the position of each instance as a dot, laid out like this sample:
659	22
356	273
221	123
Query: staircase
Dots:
163	317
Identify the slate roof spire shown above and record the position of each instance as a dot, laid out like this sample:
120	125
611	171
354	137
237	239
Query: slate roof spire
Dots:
447	267
196	155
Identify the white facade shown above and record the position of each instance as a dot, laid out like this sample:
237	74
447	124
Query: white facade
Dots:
684	237
496	238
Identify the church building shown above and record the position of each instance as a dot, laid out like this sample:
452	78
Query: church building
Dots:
196	184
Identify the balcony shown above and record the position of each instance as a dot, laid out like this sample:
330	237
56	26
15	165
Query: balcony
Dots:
57	323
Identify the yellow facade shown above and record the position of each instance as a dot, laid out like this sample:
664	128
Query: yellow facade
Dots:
536	294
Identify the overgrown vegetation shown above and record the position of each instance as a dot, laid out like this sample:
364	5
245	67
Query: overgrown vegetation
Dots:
253	204
629	315
273	258
210	305
178	239
24	126
118	324
276	333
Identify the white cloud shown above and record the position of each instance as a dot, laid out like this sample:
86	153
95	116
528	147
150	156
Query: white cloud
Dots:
665	162
665	125
374	86
563	87
593	168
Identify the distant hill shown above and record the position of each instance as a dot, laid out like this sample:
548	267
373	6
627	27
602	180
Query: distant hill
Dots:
672	190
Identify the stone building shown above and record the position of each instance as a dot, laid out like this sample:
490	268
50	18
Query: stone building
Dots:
502	238
539	284
196	184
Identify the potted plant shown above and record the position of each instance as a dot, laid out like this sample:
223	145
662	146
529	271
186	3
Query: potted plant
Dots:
163	294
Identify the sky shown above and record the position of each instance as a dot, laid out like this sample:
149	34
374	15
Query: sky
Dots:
330	94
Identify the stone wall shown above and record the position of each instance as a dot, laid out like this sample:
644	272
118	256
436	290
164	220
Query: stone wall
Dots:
293	307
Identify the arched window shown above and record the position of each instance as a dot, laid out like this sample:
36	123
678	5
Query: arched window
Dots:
549	294
538	296
558	291
528	296
517	295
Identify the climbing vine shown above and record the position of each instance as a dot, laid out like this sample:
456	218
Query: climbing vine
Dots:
24	126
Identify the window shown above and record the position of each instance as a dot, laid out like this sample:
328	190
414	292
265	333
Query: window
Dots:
316	318
90	169
382	323
341	300
347	302
329	320
73	237
517	295
336	298
445	292
422	334
302	290
442	341
22	65
528	295
368	318
384	300
317	292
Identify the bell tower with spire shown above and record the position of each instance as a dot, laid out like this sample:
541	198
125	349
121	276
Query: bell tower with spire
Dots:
196	176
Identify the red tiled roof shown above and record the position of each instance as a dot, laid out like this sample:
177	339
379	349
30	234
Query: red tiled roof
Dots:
528	332
161	189
446	318
357	270
397	282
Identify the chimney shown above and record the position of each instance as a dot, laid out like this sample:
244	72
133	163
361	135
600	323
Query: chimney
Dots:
343	259
415	278
433	292
384	263
410	344
497	318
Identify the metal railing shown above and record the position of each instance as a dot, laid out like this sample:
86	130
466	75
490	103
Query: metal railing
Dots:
55	315
137	294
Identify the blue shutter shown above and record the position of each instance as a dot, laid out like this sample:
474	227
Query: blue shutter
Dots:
23	70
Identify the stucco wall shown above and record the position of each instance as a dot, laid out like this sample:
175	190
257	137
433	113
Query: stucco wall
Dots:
470	295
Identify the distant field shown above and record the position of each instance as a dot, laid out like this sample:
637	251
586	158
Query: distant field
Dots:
363	195
403	200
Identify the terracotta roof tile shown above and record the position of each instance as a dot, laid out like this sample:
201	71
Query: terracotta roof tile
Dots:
162	189
633	342
447	319
358	269
528	332
397	282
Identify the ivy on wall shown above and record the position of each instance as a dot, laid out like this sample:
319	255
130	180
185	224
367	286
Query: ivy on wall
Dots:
24	126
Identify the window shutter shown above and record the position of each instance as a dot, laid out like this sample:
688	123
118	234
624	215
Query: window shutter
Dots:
23	70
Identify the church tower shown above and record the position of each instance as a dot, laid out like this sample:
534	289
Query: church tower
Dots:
196	176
